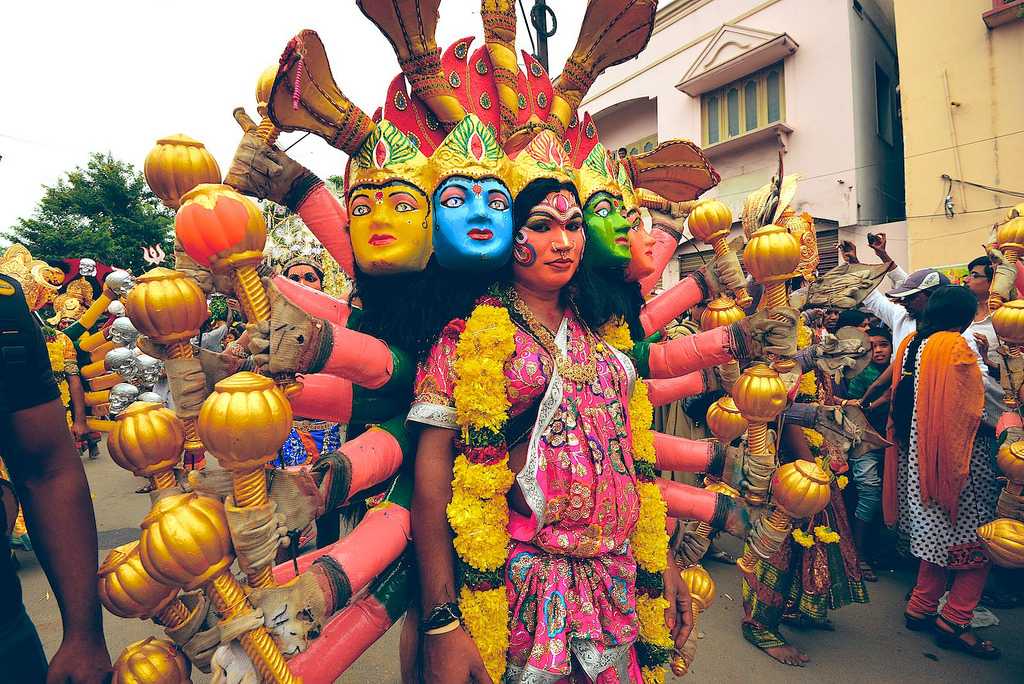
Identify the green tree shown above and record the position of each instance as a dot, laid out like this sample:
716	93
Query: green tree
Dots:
104	211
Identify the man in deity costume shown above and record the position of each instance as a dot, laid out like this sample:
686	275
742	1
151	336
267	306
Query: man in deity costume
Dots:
50	482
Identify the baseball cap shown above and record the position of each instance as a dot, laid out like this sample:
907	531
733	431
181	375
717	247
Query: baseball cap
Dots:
918	281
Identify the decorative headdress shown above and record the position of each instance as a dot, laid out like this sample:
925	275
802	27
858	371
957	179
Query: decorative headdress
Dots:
39	281
543	157
313	261
470	150
388	155
66	306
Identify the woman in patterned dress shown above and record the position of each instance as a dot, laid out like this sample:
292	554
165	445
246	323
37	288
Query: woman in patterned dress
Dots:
940	482
570	572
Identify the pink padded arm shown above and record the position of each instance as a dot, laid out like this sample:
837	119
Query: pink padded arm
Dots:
328	221
362	358
1008	420
659	312
323	397
1019	283
681	454
373	545
375	456
667	390
346	637
690	353
664	249
686	502
313	302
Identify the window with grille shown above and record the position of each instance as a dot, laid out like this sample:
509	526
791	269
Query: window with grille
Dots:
752	102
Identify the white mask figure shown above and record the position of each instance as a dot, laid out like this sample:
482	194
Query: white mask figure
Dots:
87	267
121	397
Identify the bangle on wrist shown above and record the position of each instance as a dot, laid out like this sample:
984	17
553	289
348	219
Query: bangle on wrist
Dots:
450	627
441	617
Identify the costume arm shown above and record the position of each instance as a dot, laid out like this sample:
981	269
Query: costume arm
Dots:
687	455
365	360
687	354
328	221
328	397
362	462
681	297
314	302
667	390
665	246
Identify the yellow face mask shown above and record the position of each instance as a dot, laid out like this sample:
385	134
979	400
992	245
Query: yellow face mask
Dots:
389	226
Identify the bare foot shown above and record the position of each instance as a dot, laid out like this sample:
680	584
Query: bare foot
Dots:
788	655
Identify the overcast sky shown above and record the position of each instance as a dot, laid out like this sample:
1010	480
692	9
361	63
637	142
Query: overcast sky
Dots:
115	76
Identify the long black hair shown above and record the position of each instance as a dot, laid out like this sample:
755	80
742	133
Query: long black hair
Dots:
950	307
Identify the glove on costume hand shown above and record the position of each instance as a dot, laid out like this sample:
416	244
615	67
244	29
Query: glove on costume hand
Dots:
848	428
292	341
688	546
726	376
1011	372
293	613
193	269
197	643
184	376
217	366
738	516
1010	505
723	274
295	493
733	469
761	334
1004	275
257	532
264	171
231	665
833	355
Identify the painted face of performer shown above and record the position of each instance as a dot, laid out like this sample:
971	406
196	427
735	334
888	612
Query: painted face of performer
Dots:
389	226
641	250
305	275
472	224
549	246
607	231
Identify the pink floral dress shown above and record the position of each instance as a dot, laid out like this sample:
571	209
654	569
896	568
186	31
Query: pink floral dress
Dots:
570	574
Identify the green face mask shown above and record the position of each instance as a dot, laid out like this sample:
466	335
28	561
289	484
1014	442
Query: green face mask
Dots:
607	231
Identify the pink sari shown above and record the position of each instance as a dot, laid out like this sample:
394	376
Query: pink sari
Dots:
570	574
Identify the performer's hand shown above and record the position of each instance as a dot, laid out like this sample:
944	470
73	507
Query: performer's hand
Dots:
453	658
79	429
679	614
80	660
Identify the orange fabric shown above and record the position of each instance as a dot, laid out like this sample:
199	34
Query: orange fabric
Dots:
948	407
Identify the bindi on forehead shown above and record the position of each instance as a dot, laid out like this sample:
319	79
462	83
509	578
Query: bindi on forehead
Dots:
477	188
378	197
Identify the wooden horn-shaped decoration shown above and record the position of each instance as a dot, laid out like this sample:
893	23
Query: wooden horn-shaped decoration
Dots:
499	20
305	97
613	31
410	25
676	170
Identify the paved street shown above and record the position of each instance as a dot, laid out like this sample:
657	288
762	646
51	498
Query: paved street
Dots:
869	644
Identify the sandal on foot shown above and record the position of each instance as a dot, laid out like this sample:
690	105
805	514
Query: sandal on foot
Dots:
925	623
867	573
954	640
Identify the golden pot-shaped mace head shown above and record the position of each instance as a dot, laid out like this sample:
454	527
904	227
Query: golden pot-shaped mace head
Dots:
1004	542
147	439
185	540
1010	459
264	85
720	311
710	220
702	586
1008	321
725	420
244	421
176	165
760	394
220	228
167	306
151	661
126	589
226	232
801	489
1010	238
772	255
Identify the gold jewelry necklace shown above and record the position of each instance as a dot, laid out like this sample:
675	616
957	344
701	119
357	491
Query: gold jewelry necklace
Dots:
576	372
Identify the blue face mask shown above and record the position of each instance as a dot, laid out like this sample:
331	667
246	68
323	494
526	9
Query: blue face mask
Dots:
472	224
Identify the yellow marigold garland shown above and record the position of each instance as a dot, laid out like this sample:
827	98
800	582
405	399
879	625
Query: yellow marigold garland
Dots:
478	512
649	539
826	534
803	539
